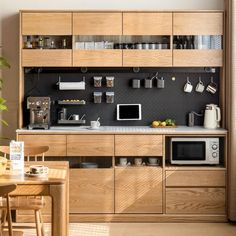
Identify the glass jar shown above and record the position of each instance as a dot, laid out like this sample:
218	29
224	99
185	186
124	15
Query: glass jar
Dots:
97	96
110	81
110	97
97	80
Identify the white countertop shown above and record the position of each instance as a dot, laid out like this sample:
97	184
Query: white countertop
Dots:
125	129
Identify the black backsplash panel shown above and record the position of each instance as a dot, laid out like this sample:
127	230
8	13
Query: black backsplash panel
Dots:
170	102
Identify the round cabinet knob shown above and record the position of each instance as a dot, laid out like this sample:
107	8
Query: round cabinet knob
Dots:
214	154
214	146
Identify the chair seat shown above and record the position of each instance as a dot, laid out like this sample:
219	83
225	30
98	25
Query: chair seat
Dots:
24	203
15	233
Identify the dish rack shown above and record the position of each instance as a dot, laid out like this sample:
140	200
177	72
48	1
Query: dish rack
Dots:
71	85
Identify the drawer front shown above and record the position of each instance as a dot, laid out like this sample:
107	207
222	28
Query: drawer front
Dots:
91	191
90	145
46	23
138	190
46	58
147	23
190	178
138	145
147	58
195	200
56	143
99	23
198	23
197	57
98	57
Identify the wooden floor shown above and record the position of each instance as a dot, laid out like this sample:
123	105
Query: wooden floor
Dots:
147	229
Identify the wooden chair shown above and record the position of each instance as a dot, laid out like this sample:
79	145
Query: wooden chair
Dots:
4	192
30	203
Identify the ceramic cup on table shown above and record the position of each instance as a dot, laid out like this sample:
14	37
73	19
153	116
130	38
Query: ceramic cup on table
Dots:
95	124
138	161
38	169
123	161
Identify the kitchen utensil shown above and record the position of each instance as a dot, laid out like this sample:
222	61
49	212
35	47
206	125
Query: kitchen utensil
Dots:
211	87
160	82
62	114
212	116
191	118
188	87
200	86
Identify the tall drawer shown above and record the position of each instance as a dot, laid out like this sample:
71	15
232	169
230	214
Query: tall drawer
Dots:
90	145
138	145
207	178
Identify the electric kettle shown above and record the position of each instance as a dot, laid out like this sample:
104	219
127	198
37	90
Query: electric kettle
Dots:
212	116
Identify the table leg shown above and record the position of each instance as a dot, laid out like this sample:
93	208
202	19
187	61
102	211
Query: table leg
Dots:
59	210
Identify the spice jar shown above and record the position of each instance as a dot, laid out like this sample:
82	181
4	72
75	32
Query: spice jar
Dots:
97	97
97	81
110	81
110	97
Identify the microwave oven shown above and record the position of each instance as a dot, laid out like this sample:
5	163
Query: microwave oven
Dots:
200	150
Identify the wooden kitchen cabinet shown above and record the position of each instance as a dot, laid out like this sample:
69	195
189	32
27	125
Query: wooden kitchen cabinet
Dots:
97	23
138	145
106	57
90	145
147	23
46	57
56	143
46	23
138	190
91	191
195	201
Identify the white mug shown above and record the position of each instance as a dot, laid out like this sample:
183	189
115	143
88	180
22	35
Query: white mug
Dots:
38	169
188	87
123	161
138	161
153	160
200	87
95	124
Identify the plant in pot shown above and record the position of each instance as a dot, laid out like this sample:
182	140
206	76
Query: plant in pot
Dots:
3	107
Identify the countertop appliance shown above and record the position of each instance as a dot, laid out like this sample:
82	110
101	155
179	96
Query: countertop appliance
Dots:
39	112
212	116
200	150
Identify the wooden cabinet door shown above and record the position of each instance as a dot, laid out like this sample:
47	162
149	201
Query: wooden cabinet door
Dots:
107	57
138	190
97	23
46	23
147	58
196	23
46	57
91	191
147	23
56	143
195	200
138	145
90	145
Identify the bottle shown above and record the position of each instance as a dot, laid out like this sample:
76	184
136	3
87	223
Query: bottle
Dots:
64	44
40	42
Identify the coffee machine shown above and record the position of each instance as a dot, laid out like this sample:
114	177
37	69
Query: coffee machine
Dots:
39	112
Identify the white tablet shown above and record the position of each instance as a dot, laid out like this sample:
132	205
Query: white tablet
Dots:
129	112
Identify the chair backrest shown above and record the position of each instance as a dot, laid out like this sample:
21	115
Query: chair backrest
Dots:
29	151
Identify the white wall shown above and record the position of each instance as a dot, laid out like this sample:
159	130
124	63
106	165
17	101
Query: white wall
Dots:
9	33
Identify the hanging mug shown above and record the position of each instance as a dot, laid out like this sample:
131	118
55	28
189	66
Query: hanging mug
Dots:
200	86
188	87
211	87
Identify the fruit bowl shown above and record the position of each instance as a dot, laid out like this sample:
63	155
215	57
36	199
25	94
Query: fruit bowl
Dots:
168	123
3	165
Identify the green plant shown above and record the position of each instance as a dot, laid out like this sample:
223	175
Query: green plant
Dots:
3	106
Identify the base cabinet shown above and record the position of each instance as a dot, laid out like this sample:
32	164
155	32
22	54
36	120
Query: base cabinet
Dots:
138	190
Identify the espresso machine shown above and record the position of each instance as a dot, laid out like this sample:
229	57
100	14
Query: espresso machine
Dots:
39	112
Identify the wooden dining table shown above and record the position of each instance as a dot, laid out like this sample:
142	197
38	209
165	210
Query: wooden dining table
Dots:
55	185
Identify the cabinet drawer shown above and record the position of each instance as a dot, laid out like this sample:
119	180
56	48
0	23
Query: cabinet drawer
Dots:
91	191
195	200
198	23
46	23
197	57
138	190
138	145
147	23
97	23
46	57
147	58
108	57
209	178
56	143
90	145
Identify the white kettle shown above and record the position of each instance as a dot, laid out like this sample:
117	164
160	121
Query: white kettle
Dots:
212	116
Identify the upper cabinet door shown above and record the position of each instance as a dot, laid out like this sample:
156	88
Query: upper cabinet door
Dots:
194	23
46	23
97	23
147	23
